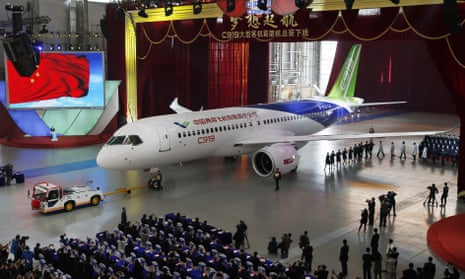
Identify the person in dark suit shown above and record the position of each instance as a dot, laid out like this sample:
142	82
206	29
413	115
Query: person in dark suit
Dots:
367	259
344	256
409	273
429	269
277	178
124	218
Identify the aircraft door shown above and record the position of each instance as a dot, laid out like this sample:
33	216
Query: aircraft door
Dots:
163	136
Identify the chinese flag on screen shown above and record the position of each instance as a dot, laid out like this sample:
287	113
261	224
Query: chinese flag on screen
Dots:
58	75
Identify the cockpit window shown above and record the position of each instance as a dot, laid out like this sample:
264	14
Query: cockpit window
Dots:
116	140
135	140
131	139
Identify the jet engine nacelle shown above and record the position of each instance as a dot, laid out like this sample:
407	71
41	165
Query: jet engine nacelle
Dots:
281	155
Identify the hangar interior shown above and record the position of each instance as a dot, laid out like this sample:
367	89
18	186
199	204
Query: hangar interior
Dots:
327	205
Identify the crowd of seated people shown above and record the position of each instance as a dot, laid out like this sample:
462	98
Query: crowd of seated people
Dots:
443	148
172	246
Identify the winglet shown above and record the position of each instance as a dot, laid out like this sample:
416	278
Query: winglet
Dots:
344	87
176	107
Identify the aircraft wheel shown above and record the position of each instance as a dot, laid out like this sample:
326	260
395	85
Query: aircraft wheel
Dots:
95	200
69	206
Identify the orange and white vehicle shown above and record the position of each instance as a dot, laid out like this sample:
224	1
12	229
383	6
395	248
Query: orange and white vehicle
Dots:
48	197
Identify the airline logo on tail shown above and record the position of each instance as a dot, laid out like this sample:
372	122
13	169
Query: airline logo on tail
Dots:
344	87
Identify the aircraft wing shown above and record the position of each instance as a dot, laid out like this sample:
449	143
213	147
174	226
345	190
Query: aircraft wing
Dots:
318	137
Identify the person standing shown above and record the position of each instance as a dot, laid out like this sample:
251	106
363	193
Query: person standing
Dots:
377	269
380	153
366	260
445	193
374	241
363	220
344	256
158	179
391	196
414	151
371	211
432	194
307	256
403	148
327	161
393	151
8	170
424	153
410	272
277	178
124	218
429	269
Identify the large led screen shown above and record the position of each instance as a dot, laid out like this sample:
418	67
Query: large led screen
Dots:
61	80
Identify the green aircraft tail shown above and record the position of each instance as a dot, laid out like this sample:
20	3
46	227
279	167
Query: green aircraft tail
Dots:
344	87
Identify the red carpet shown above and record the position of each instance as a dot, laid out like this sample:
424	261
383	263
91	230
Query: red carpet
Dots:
446	238
62	142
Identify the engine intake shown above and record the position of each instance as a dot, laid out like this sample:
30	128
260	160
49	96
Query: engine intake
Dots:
281	155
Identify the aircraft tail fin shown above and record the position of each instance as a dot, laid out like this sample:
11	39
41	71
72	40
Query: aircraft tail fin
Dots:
344	87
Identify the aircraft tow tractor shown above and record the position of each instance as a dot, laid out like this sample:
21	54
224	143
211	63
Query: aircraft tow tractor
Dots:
48	197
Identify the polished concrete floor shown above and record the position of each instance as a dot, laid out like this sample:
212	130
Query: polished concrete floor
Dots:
223	192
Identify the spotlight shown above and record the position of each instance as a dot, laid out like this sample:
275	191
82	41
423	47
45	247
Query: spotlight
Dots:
349	4
51	47
301	4
230	5
197	7
396	2
142	12
262	5
168	7
58	47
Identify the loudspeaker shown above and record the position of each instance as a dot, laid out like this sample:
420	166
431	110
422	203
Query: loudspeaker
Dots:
22	55
104	28
451	15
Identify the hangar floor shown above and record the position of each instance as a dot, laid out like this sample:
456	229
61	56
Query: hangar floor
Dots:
223	192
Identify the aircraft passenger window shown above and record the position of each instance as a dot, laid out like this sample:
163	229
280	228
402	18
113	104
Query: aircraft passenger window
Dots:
203	132
240	125
188	133
198	132
135	140
216	129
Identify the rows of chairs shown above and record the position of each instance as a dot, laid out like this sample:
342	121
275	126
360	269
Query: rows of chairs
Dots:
172	246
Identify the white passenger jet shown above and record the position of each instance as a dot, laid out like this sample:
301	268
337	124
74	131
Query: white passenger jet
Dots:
271	132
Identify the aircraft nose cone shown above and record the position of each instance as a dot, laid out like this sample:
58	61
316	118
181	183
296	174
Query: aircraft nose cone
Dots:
105	161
